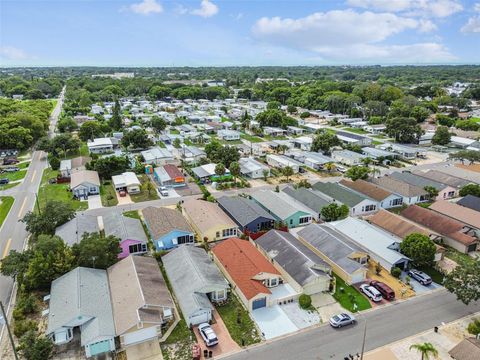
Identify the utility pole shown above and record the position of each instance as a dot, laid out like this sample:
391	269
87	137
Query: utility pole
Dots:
5	321
364	337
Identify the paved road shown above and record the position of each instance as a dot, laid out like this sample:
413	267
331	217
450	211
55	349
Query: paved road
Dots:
384	326
13	233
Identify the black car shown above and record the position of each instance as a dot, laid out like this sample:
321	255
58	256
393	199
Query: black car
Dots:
4	181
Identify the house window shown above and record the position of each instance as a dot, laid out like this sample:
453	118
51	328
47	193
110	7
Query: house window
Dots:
93	189
186	239
451	194
136	248
370	208
305	220
218	234
229	232
272	282
398	201
219	295
291	221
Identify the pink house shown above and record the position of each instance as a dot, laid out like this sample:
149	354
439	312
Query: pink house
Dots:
130	232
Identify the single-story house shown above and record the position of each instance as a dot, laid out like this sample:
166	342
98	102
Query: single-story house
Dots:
246	213
228	135
81	299
304	270
381	246
459	213
68	166
84	183
192	154
375	129
464	173
347	157
303	143
273	131
252	168
310	198
283	208
72	231
169	175
195	281
353	139
346	258
376	154
208	220
386	199
248	271
454	233
206	172
128	181
282	161
157	156
404	152
443	178
141	302
294	130
467	349
129	230
358	204
167	227
100	145
444	191
471	202
411	194
315	160
461	142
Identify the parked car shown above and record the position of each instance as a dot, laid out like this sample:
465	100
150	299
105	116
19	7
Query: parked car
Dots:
371	292
337	321
340	169
163	191
52	180
4	181
420	276
11	169
208	334
122	193
386	291
10	161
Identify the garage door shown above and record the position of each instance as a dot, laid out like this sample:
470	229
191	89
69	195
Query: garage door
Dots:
200	317
259	303
140	335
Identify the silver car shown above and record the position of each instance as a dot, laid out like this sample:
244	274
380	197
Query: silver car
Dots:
337	321
208	334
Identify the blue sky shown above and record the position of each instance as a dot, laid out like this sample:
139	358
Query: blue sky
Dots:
238	32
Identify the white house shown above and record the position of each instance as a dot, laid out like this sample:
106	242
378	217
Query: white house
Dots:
228	135
281	161
127	181
273	131
157	156
347	157
100	145
84	183
252	168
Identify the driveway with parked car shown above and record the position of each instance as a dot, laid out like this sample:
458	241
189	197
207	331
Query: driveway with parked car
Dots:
225	344
418	287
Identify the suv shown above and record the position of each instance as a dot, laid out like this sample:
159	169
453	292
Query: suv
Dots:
208	334
10	161
4	181
384	289
337	321
371	292
163	191
11	169
420	276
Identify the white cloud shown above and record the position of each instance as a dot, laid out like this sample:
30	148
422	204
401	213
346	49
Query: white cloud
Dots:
472	25
476	7
348	35
147	7
426	8
12	53
180	10
207	9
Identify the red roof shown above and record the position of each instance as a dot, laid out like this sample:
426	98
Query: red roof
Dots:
172	171
243	261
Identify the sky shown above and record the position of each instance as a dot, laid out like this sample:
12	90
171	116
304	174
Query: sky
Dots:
238	32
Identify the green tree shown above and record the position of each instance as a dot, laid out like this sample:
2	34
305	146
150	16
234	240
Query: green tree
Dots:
464	281
136	139
420	249
265	173
220	169
53	214
176	143
158	124
462	155
402	129
97	251
287	171
324	141
470	189
33	346
431	191
330	166
218	153
110	165
304	115
273	105
291	109
116	119
442	136
235	170
67	125
15	264
333	212
54	162
89	130
357	172
426	350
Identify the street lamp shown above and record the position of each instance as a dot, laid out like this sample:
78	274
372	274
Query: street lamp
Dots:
4	321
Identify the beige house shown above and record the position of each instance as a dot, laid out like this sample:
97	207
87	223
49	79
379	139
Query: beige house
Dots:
208	220
140	298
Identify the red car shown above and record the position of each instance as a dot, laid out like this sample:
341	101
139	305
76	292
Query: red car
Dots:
122	193
383	289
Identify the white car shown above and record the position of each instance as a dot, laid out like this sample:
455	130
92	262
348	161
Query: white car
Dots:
163	191
208	335
371	292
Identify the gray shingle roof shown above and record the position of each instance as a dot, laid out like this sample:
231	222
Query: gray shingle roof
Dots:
279	204
192	275
123	227
242	210
301	263
444	178
416	180
334	245
162	220
82	292
471	202
72	231
339	193
308	197
398	187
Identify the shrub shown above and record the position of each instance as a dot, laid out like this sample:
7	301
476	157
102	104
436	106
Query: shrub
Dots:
474	327
396	272
27	304
305	301
21	327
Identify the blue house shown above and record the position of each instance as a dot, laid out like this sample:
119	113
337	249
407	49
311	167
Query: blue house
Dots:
167	228
247	214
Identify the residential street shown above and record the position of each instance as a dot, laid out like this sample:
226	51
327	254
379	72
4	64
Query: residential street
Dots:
384	326
13	233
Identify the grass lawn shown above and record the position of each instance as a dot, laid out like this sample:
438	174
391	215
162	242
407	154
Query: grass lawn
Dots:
270	138
23	165
57	192
378	136
174	131
107	194
246	330
179	344
144	194
457	256
251	138
13	176
354	130
8	186
436	275
6	203
230	142
161	144
349	296
375	142
132	214
82	151
187	142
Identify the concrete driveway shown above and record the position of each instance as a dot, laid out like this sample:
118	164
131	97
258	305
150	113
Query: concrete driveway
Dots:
122	200
273	322
94	202
149	350
225	344
419	288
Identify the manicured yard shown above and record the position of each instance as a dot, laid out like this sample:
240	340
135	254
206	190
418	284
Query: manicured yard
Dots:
174	131
436	275
23	165
107	194
349	296
8	186
145	195
161	144
57	192
132	214
246	330
375	142
6	203
354	130
14	176
251	138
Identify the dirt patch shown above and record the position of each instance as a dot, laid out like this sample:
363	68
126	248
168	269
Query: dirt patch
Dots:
473	167
402	291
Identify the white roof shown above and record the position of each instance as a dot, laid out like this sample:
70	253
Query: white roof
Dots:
100	142
126	179
461	140
156	153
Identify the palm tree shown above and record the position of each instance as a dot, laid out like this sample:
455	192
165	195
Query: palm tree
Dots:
426	350
330	166
375	171
287	171
367	161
